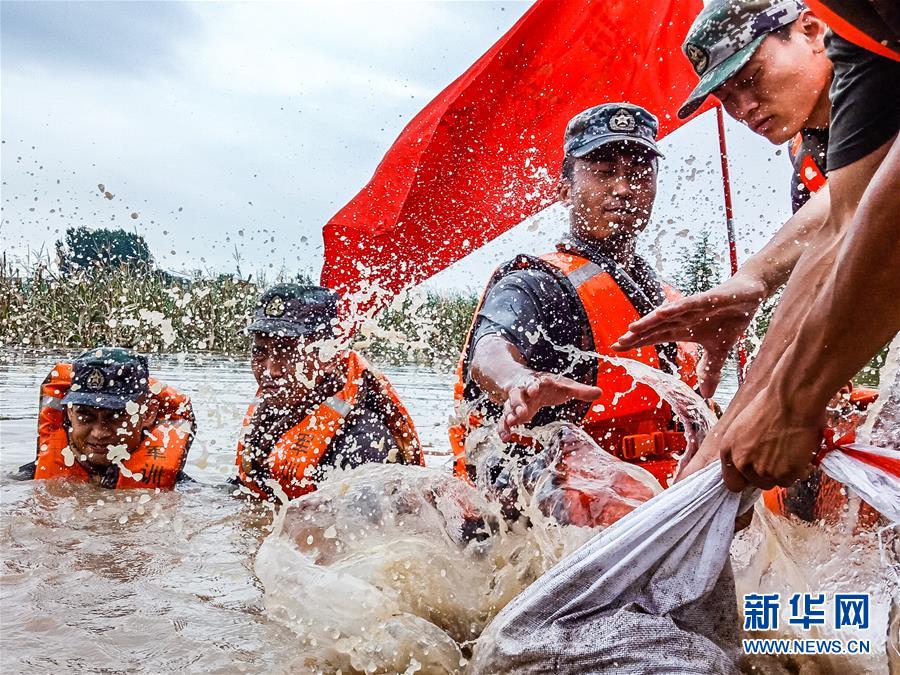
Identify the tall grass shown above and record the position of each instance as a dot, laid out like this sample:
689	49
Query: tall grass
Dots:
41	307
427	328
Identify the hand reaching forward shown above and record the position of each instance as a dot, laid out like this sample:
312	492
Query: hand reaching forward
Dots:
536	391
715	319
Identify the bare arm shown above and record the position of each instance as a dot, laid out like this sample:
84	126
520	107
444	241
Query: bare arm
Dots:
500	370
718	318
497	366
799	300
839	308
857	311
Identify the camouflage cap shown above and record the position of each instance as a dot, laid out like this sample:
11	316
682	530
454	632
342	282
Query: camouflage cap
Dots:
108	377
294	310
725	35
610	123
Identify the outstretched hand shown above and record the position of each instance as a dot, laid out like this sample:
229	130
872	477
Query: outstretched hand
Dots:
715	319
536	391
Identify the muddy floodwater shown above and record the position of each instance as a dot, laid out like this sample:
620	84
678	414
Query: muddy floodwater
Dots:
105	581
96	580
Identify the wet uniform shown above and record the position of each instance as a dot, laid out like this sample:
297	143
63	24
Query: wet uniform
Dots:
865	101
535	313
352	417
363	438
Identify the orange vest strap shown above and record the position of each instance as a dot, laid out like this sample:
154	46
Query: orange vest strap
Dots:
633	411
300	449
811	175
157	461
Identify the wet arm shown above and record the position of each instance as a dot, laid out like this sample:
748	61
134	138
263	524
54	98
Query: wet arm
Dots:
857	310
497	367
800	307
840	306
516	305
773	264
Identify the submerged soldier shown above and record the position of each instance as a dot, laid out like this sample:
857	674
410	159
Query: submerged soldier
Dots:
318	406
532	354
104	419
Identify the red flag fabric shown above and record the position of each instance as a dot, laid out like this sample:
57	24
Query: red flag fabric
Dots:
486	152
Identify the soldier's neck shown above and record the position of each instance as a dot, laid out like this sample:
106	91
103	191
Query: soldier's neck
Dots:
616	247
820	115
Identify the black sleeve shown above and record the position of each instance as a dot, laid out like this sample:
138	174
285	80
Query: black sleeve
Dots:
26	471
865	101
365	438
531	310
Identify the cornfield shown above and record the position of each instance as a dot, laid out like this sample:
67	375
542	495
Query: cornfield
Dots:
43	308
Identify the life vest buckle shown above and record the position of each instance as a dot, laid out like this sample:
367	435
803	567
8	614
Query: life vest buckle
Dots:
636	446
654	444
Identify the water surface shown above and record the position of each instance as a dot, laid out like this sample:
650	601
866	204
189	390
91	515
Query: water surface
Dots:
138	581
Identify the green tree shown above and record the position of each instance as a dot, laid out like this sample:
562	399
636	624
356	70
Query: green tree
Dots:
102	248
698	267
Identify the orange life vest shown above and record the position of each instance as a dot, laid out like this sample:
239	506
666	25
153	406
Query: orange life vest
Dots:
155	464
628	420
299	451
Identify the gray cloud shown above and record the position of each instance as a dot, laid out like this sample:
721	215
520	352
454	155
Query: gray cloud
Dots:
265	120
109	37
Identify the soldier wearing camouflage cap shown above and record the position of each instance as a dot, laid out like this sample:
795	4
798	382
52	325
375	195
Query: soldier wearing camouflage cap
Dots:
103	418
838	255
529	358
725	36
320	406
765	60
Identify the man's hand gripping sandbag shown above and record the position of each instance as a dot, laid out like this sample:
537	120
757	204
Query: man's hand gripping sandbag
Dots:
654	592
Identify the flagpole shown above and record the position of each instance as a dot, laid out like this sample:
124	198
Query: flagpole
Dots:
729	223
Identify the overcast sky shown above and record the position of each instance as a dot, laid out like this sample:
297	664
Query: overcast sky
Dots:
248	125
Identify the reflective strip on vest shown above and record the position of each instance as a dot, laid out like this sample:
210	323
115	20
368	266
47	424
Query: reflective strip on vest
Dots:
584	274
52	402
340	406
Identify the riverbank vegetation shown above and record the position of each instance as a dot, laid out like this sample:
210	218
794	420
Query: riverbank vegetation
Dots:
44	307
104	288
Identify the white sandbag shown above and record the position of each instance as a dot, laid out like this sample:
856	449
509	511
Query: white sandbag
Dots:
653	593
871	478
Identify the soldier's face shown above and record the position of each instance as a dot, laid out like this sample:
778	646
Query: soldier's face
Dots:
612	194
95	433
284	367
779	89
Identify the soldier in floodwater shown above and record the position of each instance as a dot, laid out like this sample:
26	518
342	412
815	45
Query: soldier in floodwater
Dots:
104	419
536	350
319	406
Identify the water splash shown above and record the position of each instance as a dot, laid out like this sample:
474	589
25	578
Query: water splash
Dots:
787	555
398	568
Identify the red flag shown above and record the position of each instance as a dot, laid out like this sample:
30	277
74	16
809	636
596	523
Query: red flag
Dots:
486	152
